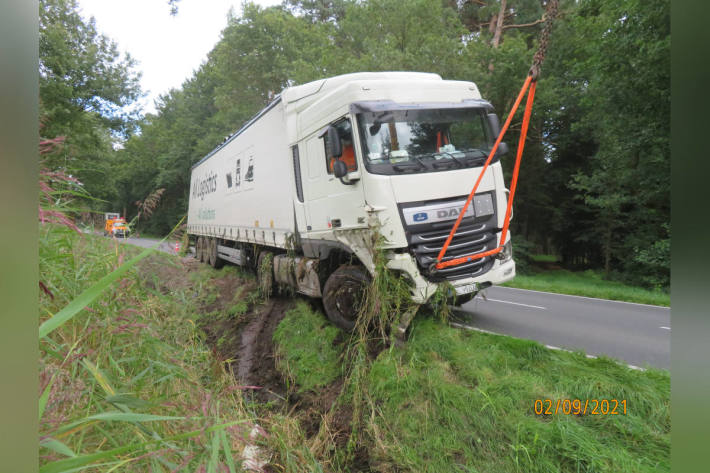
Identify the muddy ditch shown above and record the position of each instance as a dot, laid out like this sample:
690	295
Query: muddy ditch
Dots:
239	327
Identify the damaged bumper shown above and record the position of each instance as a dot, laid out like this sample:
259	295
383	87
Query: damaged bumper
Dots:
422	290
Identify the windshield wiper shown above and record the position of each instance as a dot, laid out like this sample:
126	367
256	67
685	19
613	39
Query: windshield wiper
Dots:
446	153
460	163
405	166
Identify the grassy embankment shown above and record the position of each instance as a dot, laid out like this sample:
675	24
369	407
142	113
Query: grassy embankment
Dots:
131	384
127	384
456	400
584	283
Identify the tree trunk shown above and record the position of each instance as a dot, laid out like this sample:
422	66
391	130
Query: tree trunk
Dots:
499	24
607	250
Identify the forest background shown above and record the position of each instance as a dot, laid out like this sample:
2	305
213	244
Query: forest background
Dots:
595	179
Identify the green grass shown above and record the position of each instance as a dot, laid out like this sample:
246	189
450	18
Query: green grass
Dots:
455	400
589	284
458	400
127	383
308	351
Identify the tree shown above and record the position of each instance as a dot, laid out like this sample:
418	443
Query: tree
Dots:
85	89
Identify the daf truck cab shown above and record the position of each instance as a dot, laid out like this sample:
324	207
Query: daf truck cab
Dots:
341	165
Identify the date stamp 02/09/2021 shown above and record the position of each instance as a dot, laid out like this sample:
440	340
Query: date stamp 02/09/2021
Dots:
580	407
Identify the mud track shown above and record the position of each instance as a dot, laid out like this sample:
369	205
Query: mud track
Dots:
244	343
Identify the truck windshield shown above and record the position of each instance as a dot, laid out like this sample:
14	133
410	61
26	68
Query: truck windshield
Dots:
419	140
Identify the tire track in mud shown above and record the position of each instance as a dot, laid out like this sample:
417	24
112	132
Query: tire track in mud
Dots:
256	364
244	343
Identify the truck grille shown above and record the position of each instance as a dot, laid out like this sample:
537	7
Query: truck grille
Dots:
476	234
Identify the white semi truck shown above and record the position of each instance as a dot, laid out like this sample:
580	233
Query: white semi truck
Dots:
300	190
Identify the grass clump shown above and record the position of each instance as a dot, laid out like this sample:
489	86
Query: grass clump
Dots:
589	284
308	350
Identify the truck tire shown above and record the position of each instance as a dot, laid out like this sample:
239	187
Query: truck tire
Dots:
215	261
197	249
343	294
265	273
201	243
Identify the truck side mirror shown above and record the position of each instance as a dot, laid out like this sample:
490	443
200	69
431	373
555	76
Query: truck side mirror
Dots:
340	169
494	123
335	146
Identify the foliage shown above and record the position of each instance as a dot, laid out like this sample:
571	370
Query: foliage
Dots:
522	254
86	89
125	383
594	185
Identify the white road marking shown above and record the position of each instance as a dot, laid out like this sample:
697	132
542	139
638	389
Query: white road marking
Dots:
516	303
666	328
584	297
550	347
468	327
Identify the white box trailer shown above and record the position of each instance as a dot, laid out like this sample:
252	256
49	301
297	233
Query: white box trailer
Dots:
299	191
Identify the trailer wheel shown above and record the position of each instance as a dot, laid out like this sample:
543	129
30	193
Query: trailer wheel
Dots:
215	261
201	243
343	295
197	249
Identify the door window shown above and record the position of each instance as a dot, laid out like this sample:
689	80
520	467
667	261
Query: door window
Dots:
345	132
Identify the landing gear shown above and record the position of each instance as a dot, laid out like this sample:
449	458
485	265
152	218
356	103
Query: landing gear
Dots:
343	295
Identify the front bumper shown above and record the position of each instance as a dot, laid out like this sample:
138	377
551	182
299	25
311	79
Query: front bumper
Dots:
423	289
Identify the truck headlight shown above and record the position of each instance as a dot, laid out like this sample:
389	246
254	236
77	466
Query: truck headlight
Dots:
506	253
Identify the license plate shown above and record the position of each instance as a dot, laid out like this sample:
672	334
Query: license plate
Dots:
466	288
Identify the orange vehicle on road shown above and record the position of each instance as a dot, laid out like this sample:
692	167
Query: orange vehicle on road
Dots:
115	225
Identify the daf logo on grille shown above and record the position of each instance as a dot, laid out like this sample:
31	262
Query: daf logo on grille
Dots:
481	206
452	212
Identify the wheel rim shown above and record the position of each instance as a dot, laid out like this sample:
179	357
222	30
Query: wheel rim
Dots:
348	299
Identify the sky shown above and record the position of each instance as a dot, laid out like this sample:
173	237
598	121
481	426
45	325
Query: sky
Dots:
168	48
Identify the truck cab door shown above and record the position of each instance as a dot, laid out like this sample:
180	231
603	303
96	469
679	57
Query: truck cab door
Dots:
330	204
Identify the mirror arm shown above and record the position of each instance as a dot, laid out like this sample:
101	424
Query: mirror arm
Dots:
347	183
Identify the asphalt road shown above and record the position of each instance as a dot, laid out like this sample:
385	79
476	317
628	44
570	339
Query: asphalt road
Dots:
166	247
637	334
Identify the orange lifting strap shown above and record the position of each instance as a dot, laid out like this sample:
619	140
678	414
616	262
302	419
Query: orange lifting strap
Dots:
530	82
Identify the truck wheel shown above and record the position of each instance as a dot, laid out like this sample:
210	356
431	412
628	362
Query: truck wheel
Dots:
197	249
211	250
215	261
265	273
202	243
343	295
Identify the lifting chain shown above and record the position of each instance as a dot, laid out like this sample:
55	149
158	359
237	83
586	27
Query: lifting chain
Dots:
550	15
